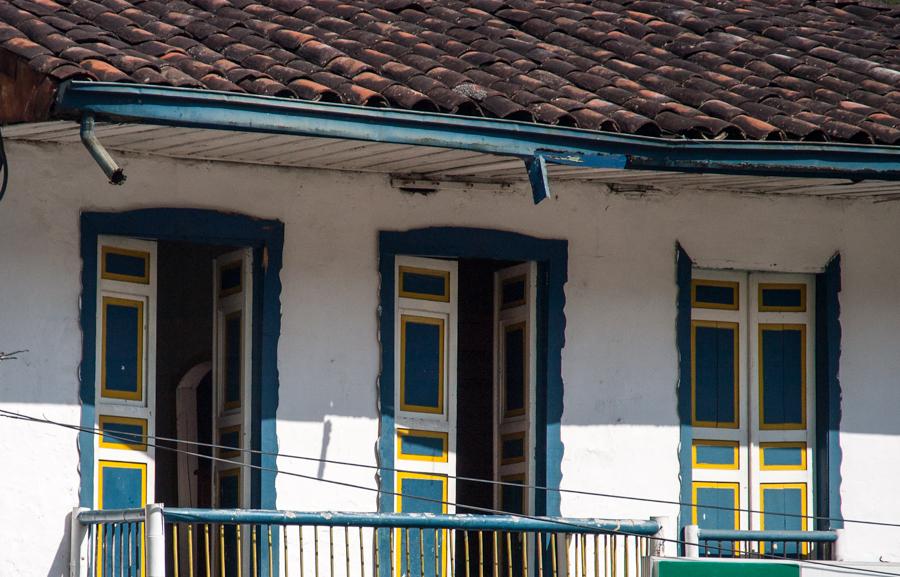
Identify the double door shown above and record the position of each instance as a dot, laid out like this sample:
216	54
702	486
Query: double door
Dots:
125	380
426	396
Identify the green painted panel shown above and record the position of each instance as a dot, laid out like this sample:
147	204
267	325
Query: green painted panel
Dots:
671	568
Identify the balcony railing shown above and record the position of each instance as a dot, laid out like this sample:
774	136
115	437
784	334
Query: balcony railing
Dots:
722	543
162	542
159	542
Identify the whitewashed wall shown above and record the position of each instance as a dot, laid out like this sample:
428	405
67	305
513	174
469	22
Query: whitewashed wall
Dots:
619	365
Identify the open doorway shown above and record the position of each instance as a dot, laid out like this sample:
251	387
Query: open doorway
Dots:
465	341
121	308
478	413
424	445
466	338
184	354
491	396
176	338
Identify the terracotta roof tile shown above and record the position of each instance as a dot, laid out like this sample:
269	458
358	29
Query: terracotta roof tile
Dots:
761	69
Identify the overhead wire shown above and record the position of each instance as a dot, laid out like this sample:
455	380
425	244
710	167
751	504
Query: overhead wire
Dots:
121	436
556	521
4	168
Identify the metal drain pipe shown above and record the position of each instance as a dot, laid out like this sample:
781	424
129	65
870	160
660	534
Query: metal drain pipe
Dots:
113	171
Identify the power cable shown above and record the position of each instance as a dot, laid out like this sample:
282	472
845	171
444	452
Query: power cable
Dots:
131	437
4	168
485	510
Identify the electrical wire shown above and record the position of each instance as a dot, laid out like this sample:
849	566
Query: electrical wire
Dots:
461	477
485	510
4	168
560	522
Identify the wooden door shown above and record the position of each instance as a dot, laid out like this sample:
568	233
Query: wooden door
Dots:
425	403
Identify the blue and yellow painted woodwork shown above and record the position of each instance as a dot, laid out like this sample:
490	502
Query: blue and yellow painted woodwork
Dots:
714	374
418	445
715	294
234	360
230	442
422	364
231	278
424	284
228	493
782	376
512	448
783	508
125	265
265	238
715	454
228	483
421	493
120	485
782	297
551	257
782	456
515	369
122	432
122	351
512	494
716	506
513	292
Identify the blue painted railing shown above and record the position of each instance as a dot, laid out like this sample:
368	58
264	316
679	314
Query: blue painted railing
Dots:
415	521
733	535
180	542
763	544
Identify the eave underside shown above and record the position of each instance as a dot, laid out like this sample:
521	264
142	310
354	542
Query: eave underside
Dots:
414	166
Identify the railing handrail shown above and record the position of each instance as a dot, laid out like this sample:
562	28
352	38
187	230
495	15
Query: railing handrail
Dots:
793	536
98	516
413	520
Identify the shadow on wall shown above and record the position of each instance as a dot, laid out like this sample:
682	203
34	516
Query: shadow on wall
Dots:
592	395
326	439
60	565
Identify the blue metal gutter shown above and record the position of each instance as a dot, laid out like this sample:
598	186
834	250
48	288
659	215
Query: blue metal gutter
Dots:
537	145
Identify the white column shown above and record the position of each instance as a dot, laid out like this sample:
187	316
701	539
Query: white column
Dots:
837	551
664	544
692	541
77	545
155	529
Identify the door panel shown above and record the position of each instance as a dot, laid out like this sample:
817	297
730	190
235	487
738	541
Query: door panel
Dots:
514	387
125	386
425	398
782	407
231	403
232	377
719	400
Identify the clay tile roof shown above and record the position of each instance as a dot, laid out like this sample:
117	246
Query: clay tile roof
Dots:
759	69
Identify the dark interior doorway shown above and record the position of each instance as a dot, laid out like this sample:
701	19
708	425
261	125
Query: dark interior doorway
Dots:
475	382
475	396
184	341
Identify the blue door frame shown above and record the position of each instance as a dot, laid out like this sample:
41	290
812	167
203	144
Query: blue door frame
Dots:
551	257
266	238
828	455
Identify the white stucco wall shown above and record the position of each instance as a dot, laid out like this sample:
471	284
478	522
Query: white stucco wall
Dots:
620	426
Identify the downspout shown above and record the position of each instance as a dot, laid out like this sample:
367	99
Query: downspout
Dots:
113	171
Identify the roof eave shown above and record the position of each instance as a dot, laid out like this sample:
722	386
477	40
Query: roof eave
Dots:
535	144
